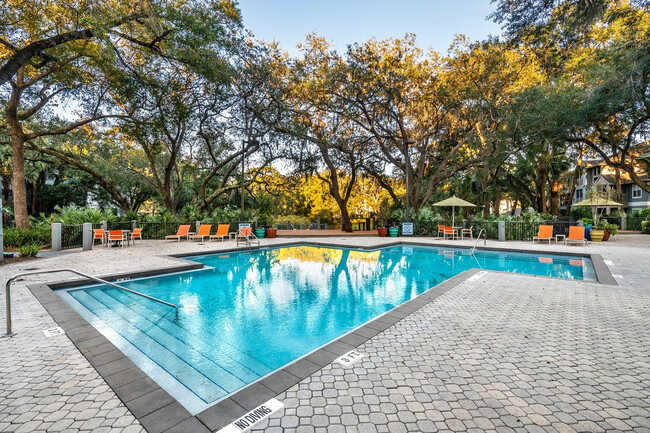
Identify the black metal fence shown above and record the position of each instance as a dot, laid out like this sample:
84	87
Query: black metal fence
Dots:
303	226
514	230
119	225
71	236
158	230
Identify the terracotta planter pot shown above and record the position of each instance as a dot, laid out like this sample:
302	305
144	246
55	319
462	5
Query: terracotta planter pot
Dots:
383	232
271	233
597	235
606	235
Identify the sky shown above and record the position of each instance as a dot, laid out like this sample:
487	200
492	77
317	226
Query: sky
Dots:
435	22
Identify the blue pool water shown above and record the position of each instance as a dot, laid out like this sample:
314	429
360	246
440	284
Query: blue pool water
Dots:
250	313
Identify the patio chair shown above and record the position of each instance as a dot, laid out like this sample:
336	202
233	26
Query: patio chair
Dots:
468	232
246	235
136	234
204	232
576	234
545	234
183	232
222	232
115	237
441	230
99	234
450	231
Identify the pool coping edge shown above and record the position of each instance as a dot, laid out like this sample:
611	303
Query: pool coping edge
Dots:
157	411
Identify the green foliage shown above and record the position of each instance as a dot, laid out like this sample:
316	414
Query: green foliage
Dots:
644	213
579	212
39	234
72	192
588	221
30	250
229	214
77	215
293	219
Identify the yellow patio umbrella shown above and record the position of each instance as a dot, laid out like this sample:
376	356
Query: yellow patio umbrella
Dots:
454	202
596	201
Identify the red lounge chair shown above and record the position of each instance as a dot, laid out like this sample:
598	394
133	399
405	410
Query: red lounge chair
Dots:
576	234
222	232
99	234
545	234
450	231
204	232
183	232
115	236
136	234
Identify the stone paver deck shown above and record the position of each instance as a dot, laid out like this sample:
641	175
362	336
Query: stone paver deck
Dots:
504	353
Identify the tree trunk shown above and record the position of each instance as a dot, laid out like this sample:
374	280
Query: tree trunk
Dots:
486	197
540	187
346	222
18	160
555	197
574	185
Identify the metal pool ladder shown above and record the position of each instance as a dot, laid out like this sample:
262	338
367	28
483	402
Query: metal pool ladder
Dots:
478	238
99	280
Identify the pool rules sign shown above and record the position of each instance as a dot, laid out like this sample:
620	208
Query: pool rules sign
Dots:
258	414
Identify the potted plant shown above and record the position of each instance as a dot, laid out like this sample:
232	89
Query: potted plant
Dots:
260	229
393	231
271	232
612	229
602	225
383	231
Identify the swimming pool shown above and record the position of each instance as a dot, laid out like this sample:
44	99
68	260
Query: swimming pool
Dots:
249	313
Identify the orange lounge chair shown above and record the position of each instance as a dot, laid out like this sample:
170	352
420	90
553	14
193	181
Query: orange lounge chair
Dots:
222	232
183	232
136	234
545	234
116	236
99	234
441	230
204	232
450	231
576	234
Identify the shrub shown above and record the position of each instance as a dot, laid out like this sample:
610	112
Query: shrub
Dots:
39	234
30	250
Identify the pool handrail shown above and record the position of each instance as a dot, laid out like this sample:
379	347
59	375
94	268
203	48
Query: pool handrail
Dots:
91	277
478	238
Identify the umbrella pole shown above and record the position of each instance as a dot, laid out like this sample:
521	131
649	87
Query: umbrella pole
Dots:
453	216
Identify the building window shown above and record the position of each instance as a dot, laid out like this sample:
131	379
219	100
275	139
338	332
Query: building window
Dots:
579	194
596	173
636	191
